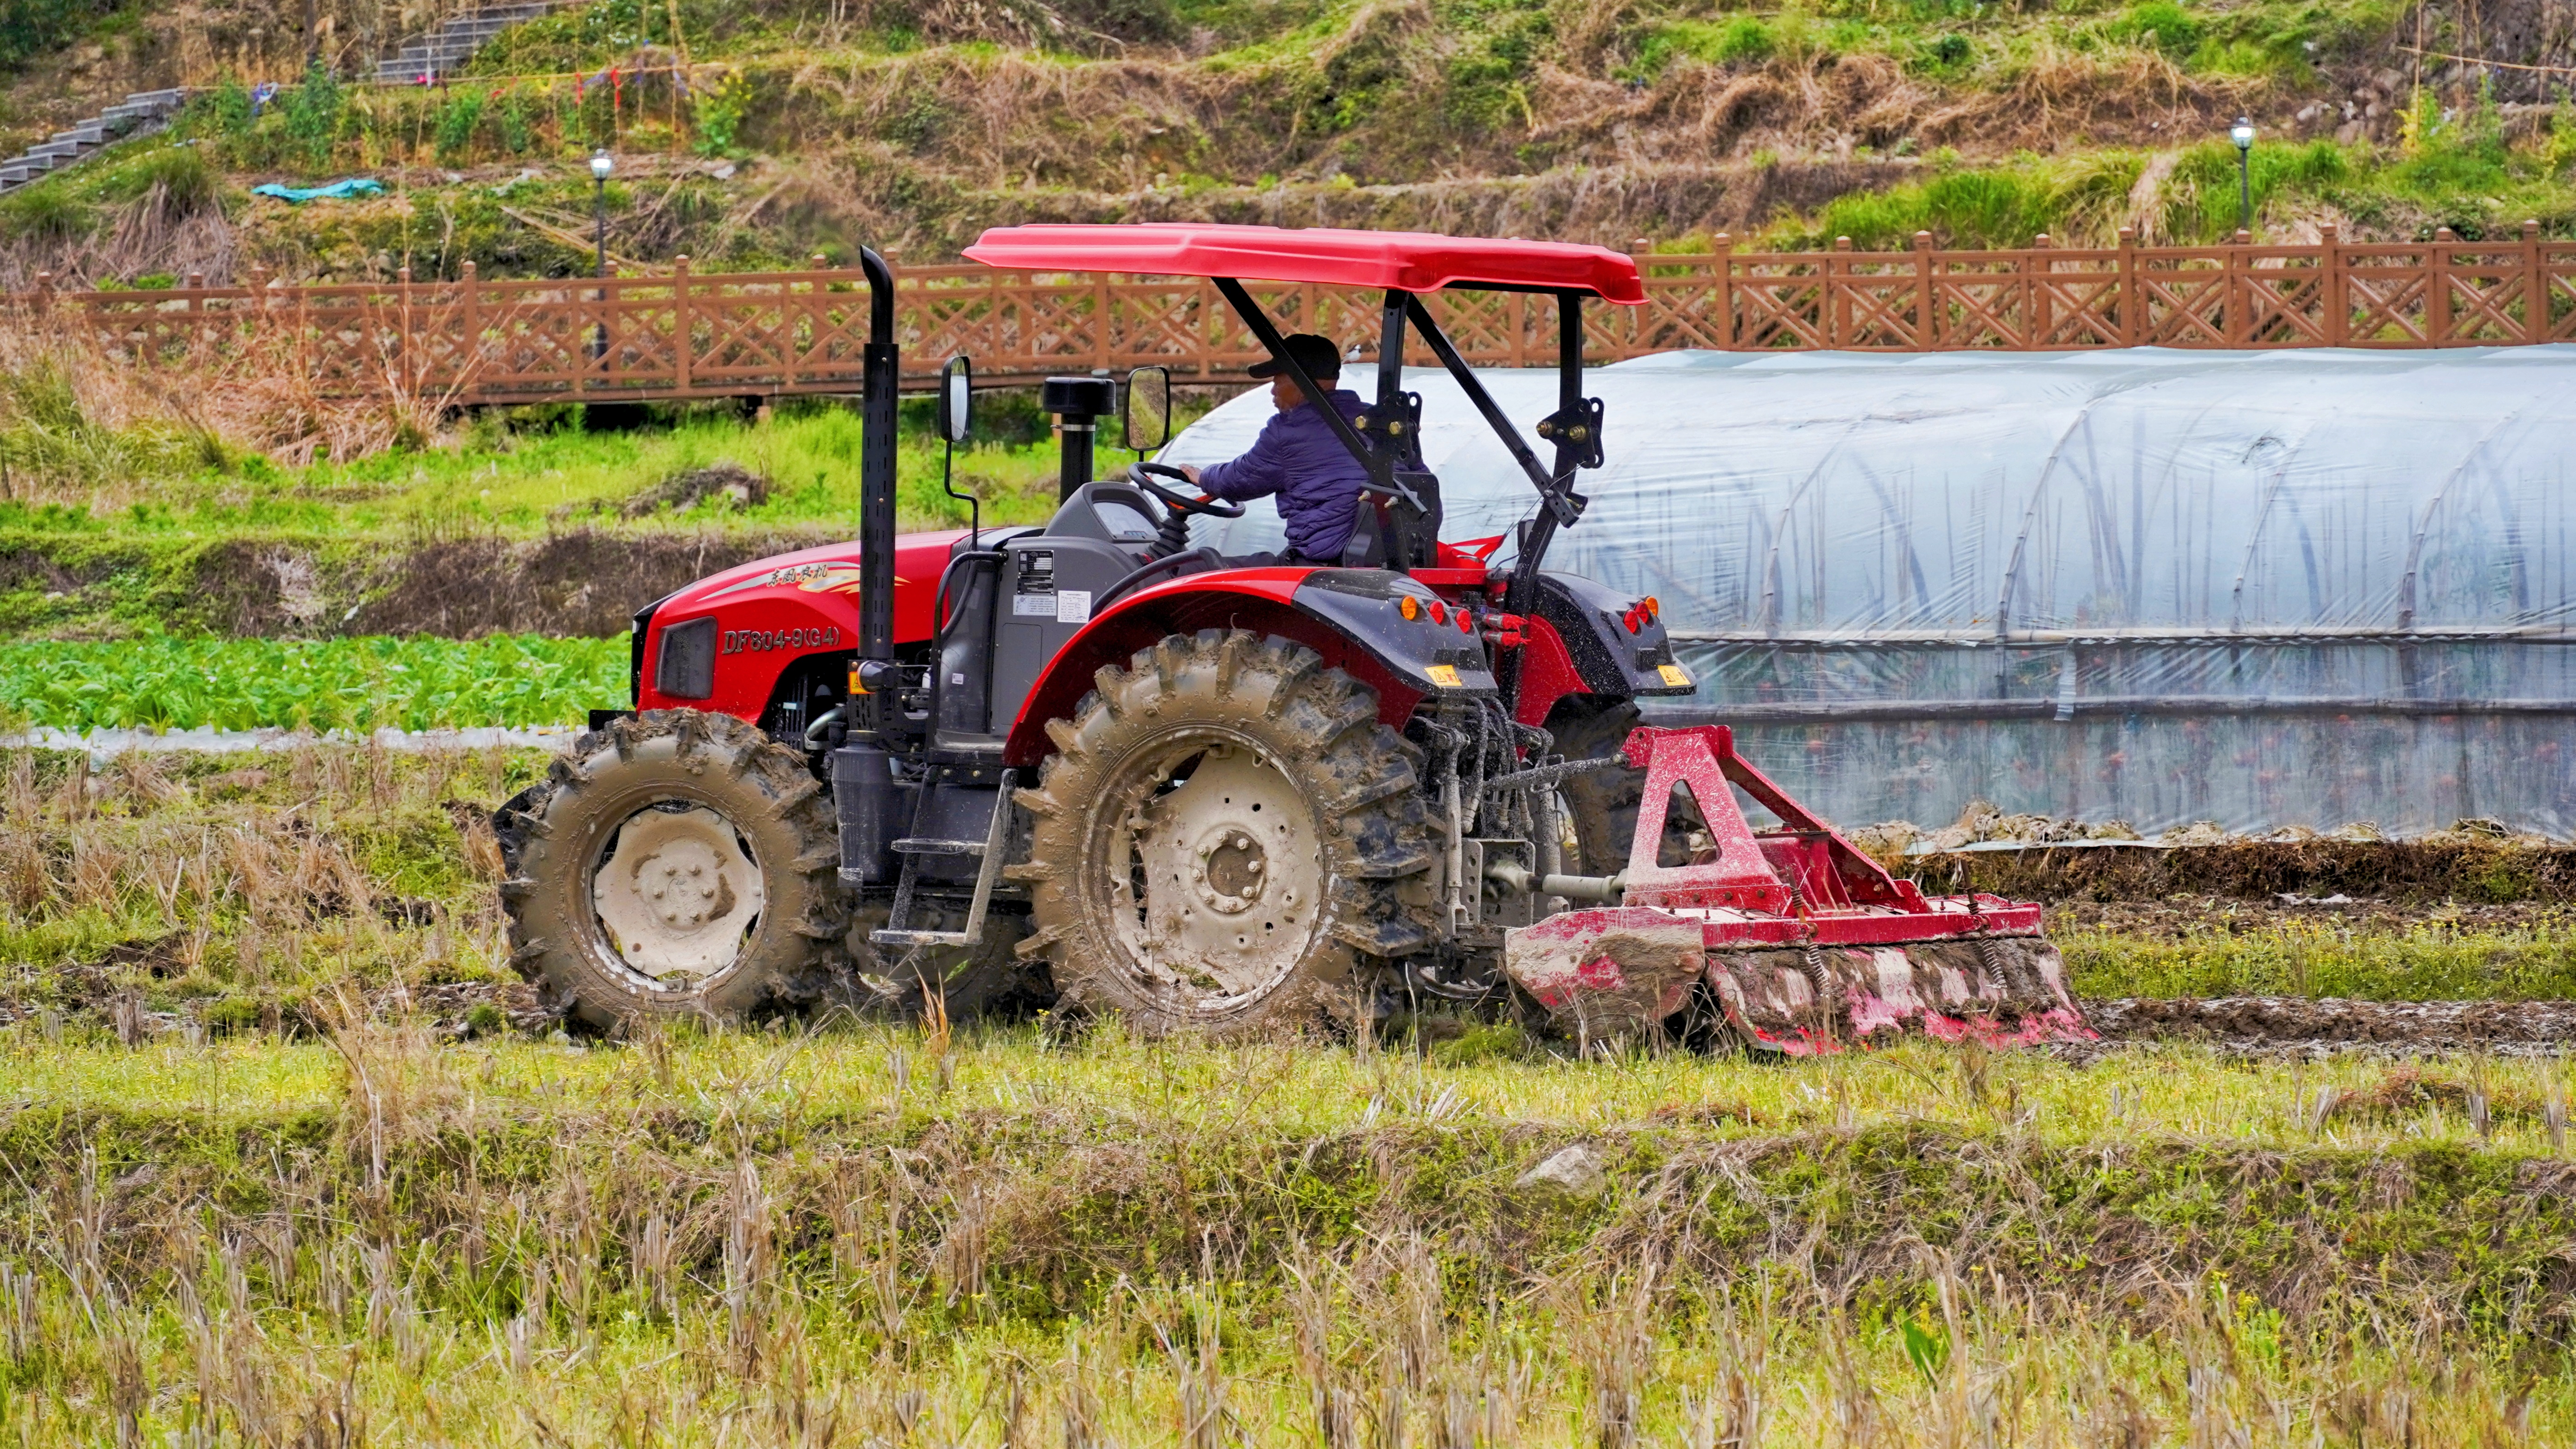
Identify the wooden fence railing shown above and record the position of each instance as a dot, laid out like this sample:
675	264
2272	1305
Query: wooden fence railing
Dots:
687	334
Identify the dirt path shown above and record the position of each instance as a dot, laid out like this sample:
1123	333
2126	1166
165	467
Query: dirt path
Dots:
2274	1024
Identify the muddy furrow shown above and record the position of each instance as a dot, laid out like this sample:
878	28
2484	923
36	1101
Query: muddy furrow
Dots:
2392	1028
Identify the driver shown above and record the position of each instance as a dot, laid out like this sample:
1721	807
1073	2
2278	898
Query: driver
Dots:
1298	459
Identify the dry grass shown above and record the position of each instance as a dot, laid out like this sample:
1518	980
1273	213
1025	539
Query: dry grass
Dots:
92	418
352	1226
1102	1241
206	893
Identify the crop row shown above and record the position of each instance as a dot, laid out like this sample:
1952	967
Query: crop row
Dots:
326	684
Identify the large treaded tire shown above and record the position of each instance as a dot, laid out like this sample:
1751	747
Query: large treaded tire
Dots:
1603	803
1367	841
554	836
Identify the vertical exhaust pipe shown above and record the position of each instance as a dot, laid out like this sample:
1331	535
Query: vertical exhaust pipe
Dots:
879	372
863	772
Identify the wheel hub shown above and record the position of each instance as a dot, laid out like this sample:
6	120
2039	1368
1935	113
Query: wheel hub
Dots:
676	893
1231	874
1221	897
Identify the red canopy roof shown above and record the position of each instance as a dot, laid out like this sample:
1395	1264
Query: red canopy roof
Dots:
1412	261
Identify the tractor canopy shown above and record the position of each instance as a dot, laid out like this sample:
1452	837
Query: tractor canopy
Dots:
1402	492
1404	261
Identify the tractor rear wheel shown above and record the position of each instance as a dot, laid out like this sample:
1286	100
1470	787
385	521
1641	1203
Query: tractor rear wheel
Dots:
1603	803
1227	841
678	863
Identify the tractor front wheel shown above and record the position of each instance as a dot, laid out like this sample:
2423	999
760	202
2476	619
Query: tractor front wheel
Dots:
1226	840
678	863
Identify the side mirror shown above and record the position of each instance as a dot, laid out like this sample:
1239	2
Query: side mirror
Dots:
1145	415
956	414
956	398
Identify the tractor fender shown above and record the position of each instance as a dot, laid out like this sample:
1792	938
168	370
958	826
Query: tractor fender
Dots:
723	643
1588	626
1354	618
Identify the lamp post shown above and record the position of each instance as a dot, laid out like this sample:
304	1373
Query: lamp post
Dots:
2242	133
601	164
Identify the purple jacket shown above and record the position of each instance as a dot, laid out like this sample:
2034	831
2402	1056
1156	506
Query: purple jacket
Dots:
1317	480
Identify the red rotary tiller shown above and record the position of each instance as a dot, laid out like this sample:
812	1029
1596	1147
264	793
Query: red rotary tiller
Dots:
1809	945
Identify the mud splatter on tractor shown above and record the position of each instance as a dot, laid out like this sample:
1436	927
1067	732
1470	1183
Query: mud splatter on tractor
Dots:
1807	944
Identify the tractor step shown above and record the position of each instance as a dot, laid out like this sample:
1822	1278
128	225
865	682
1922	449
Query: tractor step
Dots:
921	938
897	929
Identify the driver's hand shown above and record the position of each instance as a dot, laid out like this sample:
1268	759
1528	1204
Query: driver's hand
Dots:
1190	473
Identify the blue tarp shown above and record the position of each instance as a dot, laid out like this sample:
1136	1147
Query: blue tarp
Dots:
336	191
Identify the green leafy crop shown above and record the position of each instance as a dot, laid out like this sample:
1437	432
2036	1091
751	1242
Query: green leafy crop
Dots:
335	684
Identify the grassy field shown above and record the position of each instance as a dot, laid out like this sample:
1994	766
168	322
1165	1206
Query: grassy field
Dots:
234	890
1014	1237
301	1165
507	505
523	471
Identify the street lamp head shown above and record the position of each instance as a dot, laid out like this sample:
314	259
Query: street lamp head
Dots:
601	163
2242	133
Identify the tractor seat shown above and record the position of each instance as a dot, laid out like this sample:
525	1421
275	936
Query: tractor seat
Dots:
1367	546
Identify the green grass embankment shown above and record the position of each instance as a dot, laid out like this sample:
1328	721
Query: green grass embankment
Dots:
2531	960
526	524
984	1238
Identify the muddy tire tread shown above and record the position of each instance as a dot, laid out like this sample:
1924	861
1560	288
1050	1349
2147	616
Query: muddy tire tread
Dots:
1320	724
795	954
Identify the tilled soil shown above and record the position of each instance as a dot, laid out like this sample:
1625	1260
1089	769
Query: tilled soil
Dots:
2454	866
2267	1025
2181	917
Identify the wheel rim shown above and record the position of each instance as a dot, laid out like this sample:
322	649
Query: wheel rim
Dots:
1223	882
676	893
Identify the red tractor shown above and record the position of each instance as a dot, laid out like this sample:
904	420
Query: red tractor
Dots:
1089	759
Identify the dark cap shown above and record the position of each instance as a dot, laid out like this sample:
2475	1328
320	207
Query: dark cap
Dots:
1317	355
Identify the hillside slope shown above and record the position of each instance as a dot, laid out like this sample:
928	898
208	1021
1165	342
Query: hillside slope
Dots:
752	132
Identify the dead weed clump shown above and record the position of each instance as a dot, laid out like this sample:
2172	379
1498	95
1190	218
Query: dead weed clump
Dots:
2412	1090
91	412
214	897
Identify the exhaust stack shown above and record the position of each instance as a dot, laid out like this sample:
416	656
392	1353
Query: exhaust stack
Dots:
879	372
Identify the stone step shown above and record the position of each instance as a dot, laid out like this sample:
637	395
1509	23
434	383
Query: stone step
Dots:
138	114
435	53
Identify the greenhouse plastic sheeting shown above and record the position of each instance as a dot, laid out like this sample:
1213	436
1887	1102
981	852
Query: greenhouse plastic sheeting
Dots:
2294	588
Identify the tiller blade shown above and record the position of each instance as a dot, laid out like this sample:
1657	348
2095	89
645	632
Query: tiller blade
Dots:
1808	944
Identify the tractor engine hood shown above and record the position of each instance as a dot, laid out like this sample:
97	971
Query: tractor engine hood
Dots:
777	609
823	578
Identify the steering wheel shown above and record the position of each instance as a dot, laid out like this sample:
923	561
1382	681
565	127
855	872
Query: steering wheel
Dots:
1143	475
